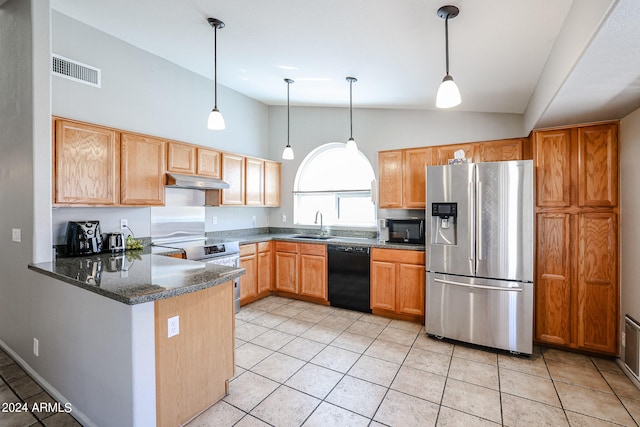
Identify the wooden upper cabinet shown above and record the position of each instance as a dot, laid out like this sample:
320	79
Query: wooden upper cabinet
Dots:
181	158
390	164
233	173
272	174
414	177
598	165
86	167
443	153
142	170
254	182
552	152
501	150
597	282
208	162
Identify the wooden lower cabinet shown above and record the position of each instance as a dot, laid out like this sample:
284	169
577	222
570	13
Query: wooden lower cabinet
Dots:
301	270
286	267
193	368
248	282
265	268
383	285
313	270
596	282
577	293
410	289
398	283
553	278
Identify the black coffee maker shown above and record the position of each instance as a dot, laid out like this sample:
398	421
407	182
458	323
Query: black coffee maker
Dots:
84	238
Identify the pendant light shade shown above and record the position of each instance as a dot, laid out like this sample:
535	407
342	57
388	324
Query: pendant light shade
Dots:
448	93
351	143
287	154
215	121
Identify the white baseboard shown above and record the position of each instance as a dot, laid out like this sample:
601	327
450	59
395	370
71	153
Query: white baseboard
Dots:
75	413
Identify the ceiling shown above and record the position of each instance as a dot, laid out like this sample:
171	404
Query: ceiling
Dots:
498	48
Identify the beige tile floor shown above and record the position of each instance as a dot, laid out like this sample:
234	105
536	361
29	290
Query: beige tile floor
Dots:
18	387
304	364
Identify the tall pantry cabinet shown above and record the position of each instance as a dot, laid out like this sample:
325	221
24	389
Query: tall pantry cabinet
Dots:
577	284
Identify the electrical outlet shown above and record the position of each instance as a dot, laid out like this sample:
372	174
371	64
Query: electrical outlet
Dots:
123	223
253	222
16	235
214	220
284	218
173	326
36	347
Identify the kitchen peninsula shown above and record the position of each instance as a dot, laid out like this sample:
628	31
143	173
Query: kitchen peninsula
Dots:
156	370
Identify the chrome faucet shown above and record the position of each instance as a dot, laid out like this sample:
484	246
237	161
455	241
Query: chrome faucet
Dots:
316	221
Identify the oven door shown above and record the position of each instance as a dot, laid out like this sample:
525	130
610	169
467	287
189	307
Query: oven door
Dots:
229	261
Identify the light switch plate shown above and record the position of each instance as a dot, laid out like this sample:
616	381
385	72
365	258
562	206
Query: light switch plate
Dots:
16	235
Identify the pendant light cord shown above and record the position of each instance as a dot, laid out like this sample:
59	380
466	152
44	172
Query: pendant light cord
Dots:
351	107
215	67
446	40
288	112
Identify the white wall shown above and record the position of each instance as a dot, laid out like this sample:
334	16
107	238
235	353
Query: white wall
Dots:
629	217
374	130
144	93
16	170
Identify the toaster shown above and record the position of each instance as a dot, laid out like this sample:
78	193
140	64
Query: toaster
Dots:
83	237
113	242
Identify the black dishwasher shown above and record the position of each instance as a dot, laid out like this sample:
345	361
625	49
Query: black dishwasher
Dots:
349	277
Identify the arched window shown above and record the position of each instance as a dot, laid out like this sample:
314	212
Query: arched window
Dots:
338	184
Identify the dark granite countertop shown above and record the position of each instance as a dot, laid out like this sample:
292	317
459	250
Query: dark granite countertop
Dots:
334	240
136	277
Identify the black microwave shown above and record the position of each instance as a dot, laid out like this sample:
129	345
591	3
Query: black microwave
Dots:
406	230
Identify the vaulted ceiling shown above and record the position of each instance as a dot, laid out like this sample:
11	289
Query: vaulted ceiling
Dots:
555	61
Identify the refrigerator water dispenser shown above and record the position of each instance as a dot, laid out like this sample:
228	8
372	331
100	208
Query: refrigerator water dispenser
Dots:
443	223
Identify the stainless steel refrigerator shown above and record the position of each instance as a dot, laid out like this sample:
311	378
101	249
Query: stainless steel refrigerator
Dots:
479	243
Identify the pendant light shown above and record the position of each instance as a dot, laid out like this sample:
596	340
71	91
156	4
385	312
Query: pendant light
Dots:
287	154
216	121
351	143
448	93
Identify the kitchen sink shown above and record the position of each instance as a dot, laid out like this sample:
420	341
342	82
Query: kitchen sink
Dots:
310	236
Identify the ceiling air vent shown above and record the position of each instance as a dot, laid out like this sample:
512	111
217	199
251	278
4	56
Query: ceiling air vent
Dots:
74	70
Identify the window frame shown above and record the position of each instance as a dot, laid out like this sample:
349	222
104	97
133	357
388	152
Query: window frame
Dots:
337	194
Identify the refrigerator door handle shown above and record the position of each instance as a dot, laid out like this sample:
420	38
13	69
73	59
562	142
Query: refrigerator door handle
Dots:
472	225
469	285
479	216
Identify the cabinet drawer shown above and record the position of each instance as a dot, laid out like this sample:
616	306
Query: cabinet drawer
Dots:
313	249
264	246
398	255
286	247
249	249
